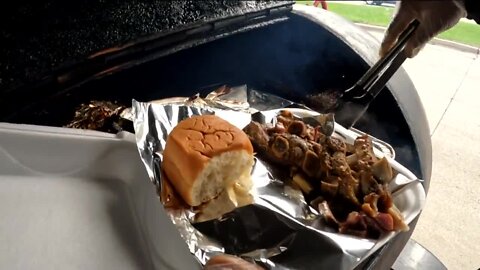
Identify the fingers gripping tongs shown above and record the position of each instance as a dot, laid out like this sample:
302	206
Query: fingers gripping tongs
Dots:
353	103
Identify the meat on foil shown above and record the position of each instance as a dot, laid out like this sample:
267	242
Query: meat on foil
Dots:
346	183
101	116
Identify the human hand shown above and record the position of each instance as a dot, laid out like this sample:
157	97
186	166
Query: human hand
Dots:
435	17
229	262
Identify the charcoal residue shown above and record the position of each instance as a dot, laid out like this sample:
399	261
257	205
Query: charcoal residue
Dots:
39	36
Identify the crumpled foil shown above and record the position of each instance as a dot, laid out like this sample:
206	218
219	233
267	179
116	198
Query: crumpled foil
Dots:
279	230
101	116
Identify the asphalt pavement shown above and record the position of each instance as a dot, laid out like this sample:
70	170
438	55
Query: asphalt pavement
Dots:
448	83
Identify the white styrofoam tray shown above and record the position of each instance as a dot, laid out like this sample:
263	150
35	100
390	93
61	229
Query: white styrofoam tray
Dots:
76	199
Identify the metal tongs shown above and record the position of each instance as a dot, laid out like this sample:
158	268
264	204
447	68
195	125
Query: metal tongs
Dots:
352	104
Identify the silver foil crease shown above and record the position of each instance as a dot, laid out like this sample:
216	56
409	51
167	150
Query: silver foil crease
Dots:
279	230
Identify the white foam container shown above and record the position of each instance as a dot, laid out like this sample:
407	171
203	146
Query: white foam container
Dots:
77	199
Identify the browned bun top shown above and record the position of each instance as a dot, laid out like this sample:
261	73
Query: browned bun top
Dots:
193	142
209	135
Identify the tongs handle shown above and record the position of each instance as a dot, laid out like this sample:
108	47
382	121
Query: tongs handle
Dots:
357	99
373	80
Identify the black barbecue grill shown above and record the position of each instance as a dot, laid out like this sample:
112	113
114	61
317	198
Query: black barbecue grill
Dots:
57	55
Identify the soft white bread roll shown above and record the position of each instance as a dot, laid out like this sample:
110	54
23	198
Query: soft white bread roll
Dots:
204	155
232	197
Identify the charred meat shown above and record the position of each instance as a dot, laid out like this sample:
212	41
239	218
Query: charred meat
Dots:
350	180
101	116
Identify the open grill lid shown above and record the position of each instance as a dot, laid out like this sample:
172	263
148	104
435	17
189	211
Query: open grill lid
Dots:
41	40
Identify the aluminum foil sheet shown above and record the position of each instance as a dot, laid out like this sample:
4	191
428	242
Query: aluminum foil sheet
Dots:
279	230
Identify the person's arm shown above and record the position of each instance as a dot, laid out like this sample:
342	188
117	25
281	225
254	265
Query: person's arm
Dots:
435	17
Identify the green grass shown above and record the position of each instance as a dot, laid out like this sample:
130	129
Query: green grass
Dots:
372	15
463	32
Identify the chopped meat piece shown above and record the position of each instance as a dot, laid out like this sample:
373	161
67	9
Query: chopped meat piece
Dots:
330	185
336	145
364	150
356	221
288	149
374	230
319	136
297	127
367	183
99	115
303	184
315	202
284	120
310	163
317	148
298	148
352	159
355	174
385	221
257	135
350	149
385	200
329	188
382	170
286	113
339	164
369	205
385	205
359	224
348	188
355	224
367	209
353	181
398	221
278	128
324	210
280	147
310	133
325	162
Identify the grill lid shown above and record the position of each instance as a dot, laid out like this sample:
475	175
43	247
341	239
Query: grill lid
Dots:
39	37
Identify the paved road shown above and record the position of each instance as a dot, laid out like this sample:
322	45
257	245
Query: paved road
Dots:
448	82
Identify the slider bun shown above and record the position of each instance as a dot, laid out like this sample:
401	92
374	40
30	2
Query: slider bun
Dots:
205	154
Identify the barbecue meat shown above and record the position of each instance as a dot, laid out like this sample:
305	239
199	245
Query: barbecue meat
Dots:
364	152
369	205
398	221
329	186
297	127
257	135
310	163
101	116
368	184
325	211
382	170
355	224
350	178
336	145
340	165
348	189
385	221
